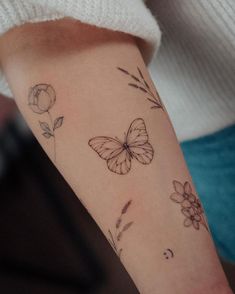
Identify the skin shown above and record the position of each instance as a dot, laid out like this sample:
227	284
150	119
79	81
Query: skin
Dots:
80	62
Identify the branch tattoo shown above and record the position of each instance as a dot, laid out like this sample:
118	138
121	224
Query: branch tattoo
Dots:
141	84
118	154
41	99
191	207
115	238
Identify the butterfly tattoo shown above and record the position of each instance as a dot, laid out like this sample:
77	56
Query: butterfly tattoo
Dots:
118	155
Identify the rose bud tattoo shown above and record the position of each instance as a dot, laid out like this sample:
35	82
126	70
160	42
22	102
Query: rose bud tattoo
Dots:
41	99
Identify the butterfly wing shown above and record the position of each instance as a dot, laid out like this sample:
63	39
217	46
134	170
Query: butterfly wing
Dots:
112	150
137	140
106	147
137	133
120	164
143	153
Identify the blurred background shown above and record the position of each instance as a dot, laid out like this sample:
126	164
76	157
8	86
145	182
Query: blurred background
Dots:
48	241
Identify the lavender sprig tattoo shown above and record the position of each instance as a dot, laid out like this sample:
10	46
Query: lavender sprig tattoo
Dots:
120	228
141	84
41	99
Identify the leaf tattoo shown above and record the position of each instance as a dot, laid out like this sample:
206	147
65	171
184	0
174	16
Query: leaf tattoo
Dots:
58	122
41	98
126	206
125	228
45	127
47	135
124	210
142	85
115	238
118	222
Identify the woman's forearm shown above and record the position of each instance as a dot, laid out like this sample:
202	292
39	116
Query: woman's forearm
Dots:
88	98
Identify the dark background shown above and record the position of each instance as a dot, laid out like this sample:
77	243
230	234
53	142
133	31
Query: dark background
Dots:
48	241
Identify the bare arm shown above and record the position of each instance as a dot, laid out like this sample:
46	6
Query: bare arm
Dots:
87	96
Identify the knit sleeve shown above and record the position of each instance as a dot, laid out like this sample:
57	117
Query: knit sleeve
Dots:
128	16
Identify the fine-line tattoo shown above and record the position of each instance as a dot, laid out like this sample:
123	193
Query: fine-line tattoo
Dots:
115	238
142	85
168	253
41	98
118	154
191	207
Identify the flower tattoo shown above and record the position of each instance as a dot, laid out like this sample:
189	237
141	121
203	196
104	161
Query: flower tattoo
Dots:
191	207
115	238
41	99
141	84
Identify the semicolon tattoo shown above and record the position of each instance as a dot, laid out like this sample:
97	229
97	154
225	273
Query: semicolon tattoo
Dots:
119	154
191	207
120	228
41	98
141	84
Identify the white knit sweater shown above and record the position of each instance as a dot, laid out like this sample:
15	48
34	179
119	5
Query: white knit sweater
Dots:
194	69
